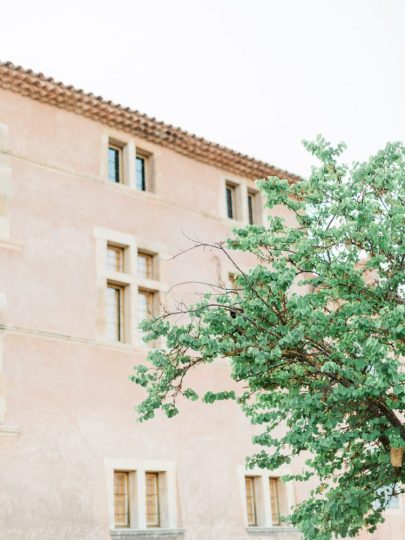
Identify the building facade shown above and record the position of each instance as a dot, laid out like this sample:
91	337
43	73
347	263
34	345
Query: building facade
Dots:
95	200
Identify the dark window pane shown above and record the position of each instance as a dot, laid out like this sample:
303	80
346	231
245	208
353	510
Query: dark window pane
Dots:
250	209
140	173
229	201
113	164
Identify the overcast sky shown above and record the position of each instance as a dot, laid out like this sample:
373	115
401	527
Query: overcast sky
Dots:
255	75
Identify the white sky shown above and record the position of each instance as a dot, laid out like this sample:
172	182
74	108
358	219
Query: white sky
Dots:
255	75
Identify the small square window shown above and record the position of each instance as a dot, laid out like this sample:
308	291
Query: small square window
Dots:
145	265
152	499
115	163
140	498
121	499
115	258
115	312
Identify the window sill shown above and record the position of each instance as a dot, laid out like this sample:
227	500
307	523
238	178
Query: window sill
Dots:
9	431
129	187
273	531
11	244
147	534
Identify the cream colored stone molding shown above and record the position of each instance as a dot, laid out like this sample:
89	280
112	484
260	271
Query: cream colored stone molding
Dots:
168	496
3	383
9	431
141	349
262	494
11	244
48	334
293	534
141	195
128	279
149	534
129	151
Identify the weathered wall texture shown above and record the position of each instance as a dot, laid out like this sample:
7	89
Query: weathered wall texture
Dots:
66	405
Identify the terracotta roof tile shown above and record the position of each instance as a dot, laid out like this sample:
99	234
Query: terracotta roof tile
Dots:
45	89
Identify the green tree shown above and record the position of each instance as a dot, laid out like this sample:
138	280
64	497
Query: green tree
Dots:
323	359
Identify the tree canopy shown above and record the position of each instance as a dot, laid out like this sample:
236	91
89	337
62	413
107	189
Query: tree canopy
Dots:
315	333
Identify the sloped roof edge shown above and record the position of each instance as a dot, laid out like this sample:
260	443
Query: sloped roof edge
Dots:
47	90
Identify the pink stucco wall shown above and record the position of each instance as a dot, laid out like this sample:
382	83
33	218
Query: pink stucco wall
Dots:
68	393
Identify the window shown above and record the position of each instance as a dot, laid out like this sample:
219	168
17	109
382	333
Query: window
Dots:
232	281
121	499
251	209
230	192
152	499
250	501
141	170
114	312
114	163
148	289
253	204
145	265
115	258
266	499
141	494
274	500
145	305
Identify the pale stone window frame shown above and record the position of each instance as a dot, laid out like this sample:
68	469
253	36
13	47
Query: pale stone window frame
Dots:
242	188
264	521
137	470
128	280
129	149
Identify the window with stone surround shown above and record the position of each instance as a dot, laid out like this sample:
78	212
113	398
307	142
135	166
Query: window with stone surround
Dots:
266	499
125	506
127	164
129	285
241	202
142	496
